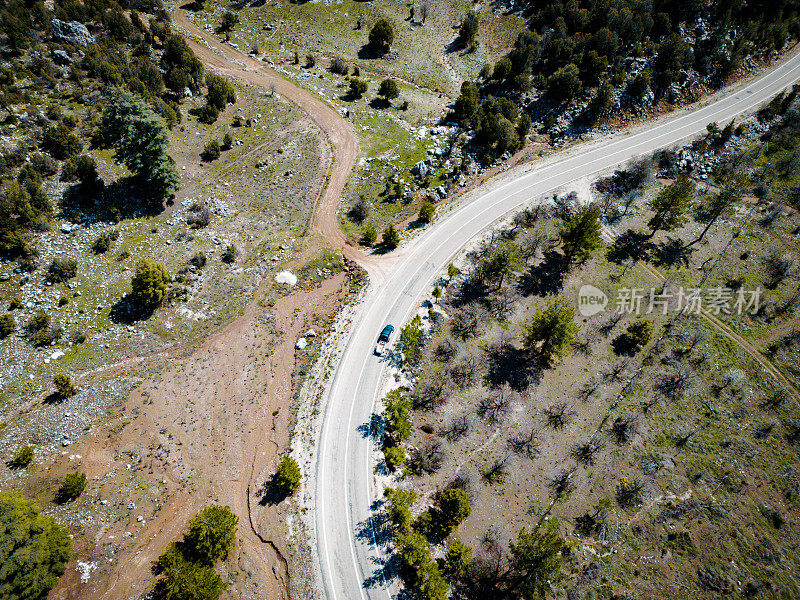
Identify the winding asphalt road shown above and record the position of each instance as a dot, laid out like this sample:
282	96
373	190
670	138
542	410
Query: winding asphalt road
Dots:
350	560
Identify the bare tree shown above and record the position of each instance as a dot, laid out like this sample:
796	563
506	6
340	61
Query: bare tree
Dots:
428	459
774	400
562	485
458	428
558	415
532	245
465	371
446	350
617	370
525	444
589	388
429	394
624	428
780	267
585	453
468	322
501	304
497	471
494	407
677	382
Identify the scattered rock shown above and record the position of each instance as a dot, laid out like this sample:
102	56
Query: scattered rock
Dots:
72	31
286	277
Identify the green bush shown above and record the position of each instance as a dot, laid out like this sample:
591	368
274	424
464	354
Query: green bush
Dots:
381	36
7	326
426	212
395	457
370	236
73	486
229	254
288	475
211	152
391	239
212	534
183	579
388	89
22	457
103	242
64	386
357	87
228	21
35	549
149	283
60	143
61	270
220	92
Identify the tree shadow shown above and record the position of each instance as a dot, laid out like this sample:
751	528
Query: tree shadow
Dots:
126	311
671	253
370	52
373	428
192	6
508	365
271	493
126	198
630	245
470	290
54	398
379	103
546	278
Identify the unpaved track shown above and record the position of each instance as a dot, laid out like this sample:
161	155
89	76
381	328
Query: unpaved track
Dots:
342	144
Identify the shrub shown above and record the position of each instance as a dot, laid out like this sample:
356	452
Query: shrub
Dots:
311	61
228	21
6	326
357	87
381	35
388	89
360	210
638	335
64	386
391	239
198	215
16	302
469	29
183	578
220	91
207	114
288	475
426	212
149	283
103	242
22	457
395	457
60	143
227	141
73	486
229	254
84	170
370	236
62	270
198	260
339	66
43	165
211	152
37	555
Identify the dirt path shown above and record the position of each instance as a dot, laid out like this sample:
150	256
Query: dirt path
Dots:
342	146
729	333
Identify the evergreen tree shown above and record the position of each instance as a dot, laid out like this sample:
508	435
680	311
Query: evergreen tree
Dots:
140	138
212	534
580	234
552	331
536	562
288	476
34	549
671	205
149	283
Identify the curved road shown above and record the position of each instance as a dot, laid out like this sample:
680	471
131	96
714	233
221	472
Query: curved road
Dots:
350	561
